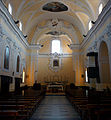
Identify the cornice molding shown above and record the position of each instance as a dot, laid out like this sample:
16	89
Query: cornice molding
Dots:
61	55
99	23
10	22
74	46
37	46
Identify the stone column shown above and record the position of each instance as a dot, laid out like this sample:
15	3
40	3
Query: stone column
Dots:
75	57
31	69
36	69
38	47
13	63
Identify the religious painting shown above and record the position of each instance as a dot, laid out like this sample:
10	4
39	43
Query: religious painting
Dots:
55	7
56	63
55	33
18	64
6	58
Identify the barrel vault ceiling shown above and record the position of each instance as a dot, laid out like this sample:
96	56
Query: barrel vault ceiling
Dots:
39	24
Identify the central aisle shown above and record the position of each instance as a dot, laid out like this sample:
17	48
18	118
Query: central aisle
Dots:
55	108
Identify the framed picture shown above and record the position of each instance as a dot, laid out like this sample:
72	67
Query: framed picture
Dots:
55	63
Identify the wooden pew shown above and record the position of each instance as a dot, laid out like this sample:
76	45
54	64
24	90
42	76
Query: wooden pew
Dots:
8	114
23	105
91	107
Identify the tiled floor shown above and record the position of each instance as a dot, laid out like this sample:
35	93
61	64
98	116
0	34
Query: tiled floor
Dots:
55	108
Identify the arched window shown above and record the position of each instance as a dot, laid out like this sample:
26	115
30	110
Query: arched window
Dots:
18	64
23	76
6	58
20	26
90	25
55	46
10	8
100	8
86	75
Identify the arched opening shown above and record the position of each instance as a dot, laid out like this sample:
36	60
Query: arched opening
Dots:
20	26
23	75
104	63
6	58
90	25
86	75
56	46
100	8
18	64
10	8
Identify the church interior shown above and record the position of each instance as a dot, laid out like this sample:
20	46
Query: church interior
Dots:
55	59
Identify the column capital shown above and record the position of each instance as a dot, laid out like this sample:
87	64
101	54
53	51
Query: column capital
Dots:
74	46
36	46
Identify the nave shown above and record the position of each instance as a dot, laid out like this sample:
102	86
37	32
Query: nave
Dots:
55	108
52	46
77	103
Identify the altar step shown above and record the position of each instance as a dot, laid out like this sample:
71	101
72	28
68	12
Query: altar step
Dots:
54	94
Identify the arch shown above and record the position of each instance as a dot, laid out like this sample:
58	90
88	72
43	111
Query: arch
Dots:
18	64
84	19
39	34
104	63
6	57
76	22
7	2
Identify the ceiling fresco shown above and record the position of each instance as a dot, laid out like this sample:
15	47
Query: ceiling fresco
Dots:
55	7
56	33
43	17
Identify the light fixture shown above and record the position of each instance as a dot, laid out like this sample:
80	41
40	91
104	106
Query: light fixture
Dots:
42	45
25	36
93	22
16	22
84	35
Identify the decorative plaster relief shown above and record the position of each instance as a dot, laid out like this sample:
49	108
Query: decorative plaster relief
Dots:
37	46
55	62
105	36
74	46
108	30
0	29
1	39
8	40
93	47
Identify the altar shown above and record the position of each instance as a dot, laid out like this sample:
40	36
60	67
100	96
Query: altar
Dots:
55	87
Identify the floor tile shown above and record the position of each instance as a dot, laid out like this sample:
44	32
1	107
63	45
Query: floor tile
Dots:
55	108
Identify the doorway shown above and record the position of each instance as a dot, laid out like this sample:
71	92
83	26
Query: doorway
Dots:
104	63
